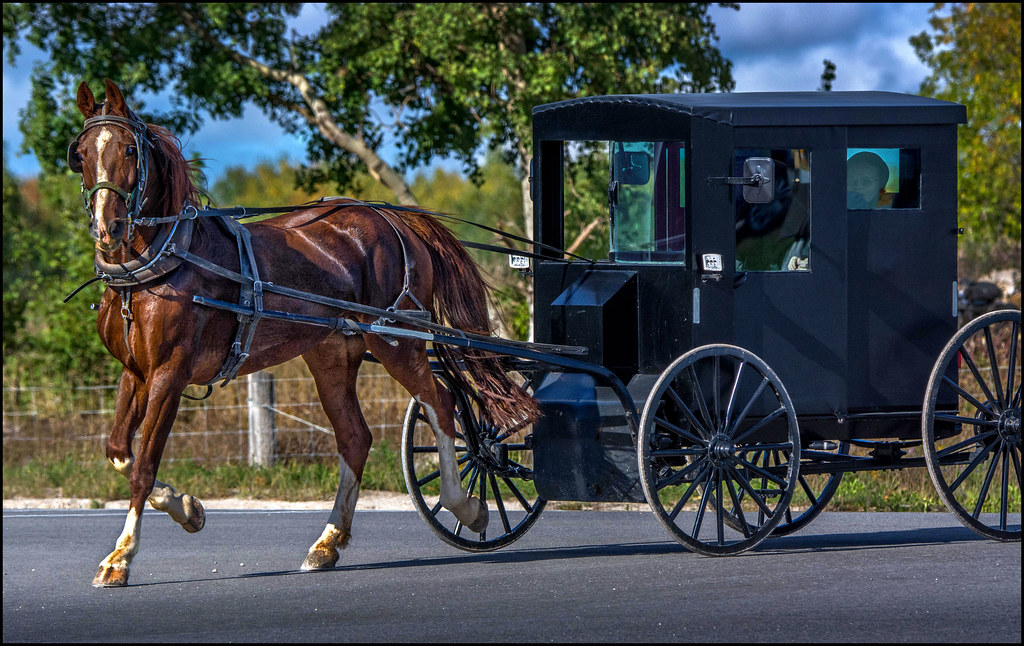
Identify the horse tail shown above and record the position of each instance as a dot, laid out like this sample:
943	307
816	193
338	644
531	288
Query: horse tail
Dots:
460	302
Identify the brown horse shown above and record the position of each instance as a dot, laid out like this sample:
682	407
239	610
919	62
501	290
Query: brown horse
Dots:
342	249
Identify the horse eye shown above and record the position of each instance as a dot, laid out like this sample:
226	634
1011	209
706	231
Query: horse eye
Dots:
129	151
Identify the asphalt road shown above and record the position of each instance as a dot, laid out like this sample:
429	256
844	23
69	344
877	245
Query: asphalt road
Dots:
576	576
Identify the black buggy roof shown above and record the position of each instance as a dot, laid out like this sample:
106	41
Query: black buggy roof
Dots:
754	109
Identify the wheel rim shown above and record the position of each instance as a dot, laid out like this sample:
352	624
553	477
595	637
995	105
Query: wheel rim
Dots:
972	446
490	461
709	422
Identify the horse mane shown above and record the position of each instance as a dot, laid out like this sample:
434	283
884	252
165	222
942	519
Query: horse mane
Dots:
177	175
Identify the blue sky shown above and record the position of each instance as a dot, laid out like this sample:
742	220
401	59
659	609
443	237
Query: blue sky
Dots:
773	47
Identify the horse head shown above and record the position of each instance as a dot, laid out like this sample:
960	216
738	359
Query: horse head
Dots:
111	154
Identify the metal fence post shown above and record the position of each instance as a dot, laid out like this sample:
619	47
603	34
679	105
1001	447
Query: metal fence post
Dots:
262	428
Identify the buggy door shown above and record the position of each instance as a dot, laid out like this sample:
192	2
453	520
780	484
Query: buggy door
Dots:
788	275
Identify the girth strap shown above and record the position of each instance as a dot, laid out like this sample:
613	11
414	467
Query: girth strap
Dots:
250	298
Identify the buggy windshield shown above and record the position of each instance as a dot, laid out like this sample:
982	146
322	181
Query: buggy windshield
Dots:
646	200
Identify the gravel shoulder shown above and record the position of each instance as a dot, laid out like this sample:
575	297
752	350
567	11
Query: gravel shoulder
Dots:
368	501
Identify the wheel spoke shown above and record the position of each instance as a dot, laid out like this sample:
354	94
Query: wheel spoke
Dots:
703	503
1005	492
500	503
668	426
994	365
701	401
732	394
1014	331
764	474
719	512
518	494
680	475
978	459
966	354
689	492
973	421
427	478
736	502
762	504
746	409
976	439
966	395
781	410
716	389
983	494
678	401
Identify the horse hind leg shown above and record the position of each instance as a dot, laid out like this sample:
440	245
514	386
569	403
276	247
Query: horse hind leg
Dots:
334	365
408	364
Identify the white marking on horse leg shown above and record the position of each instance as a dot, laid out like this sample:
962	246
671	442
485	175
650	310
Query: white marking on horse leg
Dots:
324	552
469	510
114	569
182	508
124	467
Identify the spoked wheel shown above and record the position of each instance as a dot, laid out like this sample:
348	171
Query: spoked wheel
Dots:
814	490
494	465
719	447
971	425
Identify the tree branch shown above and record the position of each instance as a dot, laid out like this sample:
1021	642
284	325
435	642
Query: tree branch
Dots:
317	114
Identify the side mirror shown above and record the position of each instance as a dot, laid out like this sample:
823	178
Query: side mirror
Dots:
632	167
759	180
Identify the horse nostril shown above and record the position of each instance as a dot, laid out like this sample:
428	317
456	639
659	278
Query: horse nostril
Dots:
117	229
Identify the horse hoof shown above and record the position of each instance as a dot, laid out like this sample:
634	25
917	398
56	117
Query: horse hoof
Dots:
110	577
480	524
320	560
195	515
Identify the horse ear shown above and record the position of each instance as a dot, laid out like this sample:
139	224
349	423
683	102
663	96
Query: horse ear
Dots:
114	99
86	101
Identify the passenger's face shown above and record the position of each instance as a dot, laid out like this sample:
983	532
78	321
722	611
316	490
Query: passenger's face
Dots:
863	181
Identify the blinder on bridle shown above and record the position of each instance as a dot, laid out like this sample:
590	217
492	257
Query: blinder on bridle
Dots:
134	200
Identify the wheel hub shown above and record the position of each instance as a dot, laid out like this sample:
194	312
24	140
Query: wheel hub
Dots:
720	450
1009	426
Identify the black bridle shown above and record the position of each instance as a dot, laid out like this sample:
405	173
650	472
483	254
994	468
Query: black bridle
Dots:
134	200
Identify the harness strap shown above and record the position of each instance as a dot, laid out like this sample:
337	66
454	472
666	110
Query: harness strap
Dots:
250	298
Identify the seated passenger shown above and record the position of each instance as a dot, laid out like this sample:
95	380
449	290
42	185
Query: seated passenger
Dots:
866	177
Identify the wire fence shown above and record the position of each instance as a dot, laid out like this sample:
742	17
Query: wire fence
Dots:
50	421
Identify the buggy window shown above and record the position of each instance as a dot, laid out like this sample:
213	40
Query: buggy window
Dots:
883	178
648	201
775	236
624	200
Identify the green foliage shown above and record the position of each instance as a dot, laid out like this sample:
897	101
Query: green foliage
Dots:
438	79
974	55
47	254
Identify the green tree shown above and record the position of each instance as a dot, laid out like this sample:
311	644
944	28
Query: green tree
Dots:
974	55
48	253
437	78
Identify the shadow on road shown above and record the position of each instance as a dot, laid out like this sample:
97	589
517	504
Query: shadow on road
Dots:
784	545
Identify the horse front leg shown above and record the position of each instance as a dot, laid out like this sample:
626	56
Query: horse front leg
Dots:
161	409
130	411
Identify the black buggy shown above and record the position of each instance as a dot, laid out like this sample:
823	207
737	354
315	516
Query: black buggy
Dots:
768	301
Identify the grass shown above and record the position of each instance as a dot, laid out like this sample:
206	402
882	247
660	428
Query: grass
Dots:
94	479
77	477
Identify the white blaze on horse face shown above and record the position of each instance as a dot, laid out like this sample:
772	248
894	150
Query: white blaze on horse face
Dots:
101	176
